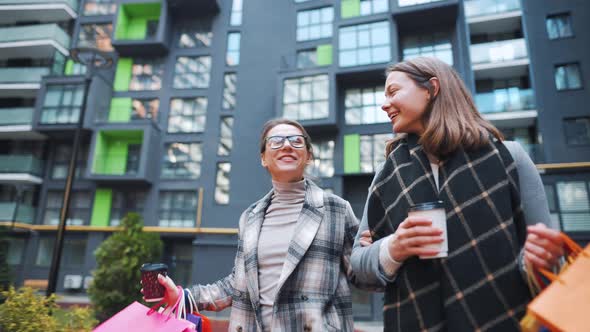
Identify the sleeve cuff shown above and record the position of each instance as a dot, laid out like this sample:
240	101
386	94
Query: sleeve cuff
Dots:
387	264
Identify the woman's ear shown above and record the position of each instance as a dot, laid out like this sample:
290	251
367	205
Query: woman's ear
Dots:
262	161
435	86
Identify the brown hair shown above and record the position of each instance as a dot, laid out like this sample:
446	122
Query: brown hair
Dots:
451	119
275	122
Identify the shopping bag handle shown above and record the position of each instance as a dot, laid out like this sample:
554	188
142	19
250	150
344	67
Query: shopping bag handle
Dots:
155	307
575	250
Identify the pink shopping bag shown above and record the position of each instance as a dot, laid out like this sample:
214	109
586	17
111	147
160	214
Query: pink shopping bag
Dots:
138	318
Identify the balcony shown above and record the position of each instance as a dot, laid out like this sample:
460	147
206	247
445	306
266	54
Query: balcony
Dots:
25	213
23	82
17	116
476	9
121	155
33	41
500	59
508	107
493	16
24	168
141	29
37	10
415	14
128	110
16	123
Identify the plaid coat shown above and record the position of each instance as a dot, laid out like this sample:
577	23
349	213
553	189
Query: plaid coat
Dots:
313	292
479	286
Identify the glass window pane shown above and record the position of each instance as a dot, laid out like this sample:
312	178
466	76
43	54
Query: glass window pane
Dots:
572	196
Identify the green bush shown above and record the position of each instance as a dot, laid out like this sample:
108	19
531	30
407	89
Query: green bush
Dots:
5	276
116	278
26	311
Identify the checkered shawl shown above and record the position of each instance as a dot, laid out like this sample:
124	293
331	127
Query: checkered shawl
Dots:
478	287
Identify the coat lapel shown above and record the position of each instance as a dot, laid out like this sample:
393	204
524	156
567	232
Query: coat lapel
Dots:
250	242
308	224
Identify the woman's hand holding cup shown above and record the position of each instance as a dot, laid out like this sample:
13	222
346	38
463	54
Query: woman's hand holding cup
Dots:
411	237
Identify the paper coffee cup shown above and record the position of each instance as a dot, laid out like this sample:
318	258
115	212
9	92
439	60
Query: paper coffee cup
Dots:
435	211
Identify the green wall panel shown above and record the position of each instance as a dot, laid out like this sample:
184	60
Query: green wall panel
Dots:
350	8
123	74
69	67
120	110
101	210
110	156
133	18
352	153
324	53
116	158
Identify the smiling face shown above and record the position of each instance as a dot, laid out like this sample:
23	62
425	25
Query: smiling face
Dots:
285	164
405	103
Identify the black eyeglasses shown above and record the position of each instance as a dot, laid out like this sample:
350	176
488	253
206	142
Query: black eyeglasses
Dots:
277	142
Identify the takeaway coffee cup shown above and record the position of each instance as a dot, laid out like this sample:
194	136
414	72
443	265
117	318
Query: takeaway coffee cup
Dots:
434	211
152	290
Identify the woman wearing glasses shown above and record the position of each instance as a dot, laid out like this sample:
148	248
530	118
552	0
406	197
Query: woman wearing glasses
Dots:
292	267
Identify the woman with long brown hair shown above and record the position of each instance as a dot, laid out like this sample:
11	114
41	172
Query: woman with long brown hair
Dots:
445	152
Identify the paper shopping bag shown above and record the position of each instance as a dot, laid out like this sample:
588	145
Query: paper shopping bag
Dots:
565	304
138	318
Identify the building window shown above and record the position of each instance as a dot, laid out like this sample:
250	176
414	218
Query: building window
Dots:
225	136
372	151
143	109
146	74
306	98
229	91
124	202
364	44
128	109
192	72
182	161
45	251
187	115
559	26
99	7
62	104
363	106
177	208
96	36
307	59
574	205
552	204
568	77
16	249
74	252
370	7
577	131
236	13
61	161
195	35
323	159
437	45
315	23
233	49
404	3
79	210
222	183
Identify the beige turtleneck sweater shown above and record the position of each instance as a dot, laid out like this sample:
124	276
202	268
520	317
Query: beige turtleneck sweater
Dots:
276	233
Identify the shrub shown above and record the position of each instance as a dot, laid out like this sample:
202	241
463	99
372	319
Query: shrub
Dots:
119	258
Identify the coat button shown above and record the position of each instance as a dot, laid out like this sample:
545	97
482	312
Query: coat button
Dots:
304	298
307	328
239	329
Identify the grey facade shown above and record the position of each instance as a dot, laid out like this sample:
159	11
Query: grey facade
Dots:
187	73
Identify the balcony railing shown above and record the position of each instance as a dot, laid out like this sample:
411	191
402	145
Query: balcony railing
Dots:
475	8
25	213
116	164
498	52
16	116
35	32
505	100
72	3
406	3
20	164
22	75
